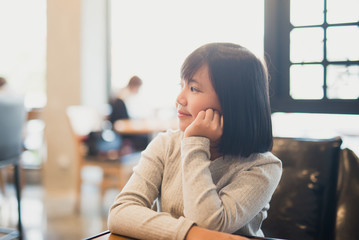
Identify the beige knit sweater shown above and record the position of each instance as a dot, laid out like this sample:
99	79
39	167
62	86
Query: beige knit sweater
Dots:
229	194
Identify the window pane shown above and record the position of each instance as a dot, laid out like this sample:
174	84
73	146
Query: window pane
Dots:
343	82
306	45
306	12
23	48
343	43
306	81
342	11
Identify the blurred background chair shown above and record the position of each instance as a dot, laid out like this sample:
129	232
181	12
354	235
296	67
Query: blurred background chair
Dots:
317	195
97	145
12	119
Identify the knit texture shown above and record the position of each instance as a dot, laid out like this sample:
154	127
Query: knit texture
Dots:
229	194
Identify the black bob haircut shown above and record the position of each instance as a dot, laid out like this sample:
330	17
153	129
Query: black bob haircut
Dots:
240	80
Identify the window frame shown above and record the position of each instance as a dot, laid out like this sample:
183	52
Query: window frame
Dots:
277	30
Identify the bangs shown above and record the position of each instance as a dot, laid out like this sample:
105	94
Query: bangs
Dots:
192	63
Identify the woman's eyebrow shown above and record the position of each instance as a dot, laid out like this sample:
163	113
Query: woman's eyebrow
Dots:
192	81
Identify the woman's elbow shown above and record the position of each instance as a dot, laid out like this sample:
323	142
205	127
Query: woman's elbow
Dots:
111	221
214	221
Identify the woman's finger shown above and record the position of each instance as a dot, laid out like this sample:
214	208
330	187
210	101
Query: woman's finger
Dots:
201	115
217	117
209	114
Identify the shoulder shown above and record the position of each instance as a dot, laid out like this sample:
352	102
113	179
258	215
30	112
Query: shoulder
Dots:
266	163
124	93
255	159
169	135
266	157
262	167
259	159
166	142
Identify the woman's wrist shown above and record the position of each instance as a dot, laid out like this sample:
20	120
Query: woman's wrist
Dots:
194	233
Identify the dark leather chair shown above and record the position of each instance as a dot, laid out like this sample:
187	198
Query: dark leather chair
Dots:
317	197
12	119
346	226
304	203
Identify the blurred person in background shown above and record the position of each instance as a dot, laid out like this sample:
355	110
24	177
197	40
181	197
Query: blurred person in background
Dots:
6	89
2	82
120	109
120	101
132	88
3	85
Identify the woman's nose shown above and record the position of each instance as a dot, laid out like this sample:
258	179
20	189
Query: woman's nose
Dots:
181	99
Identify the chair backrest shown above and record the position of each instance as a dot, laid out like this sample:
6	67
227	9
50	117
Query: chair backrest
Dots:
303	205
12	119
347	196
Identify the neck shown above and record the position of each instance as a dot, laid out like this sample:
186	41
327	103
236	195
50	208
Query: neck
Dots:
214	153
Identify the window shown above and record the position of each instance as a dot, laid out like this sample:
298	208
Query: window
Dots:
23	65
152	38
312	47
23	48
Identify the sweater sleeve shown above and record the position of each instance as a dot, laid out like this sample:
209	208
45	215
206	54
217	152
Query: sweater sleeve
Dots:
131	214
245	193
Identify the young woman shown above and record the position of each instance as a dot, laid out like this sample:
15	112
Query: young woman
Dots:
216	174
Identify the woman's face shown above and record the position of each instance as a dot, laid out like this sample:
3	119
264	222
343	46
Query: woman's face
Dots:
196	94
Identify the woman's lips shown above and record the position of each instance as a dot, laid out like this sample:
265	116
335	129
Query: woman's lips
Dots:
181	114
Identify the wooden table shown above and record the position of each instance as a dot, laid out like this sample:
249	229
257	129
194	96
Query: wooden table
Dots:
144	126
109	236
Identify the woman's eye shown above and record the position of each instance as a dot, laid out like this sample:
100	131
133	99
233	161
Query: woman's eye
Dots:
193	89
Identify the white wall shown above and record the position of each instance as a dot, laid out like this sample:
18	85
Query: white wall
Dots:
93	53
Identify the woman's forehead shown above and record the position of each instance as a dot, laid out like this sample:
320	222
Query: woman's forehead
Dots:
191	72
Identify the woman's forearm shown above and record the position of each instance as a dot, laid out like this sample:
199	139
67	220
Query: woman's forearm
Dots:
198	233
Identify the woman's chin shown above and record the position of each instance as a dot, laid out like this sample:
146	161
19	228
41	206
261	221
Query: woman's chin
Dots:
183	126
